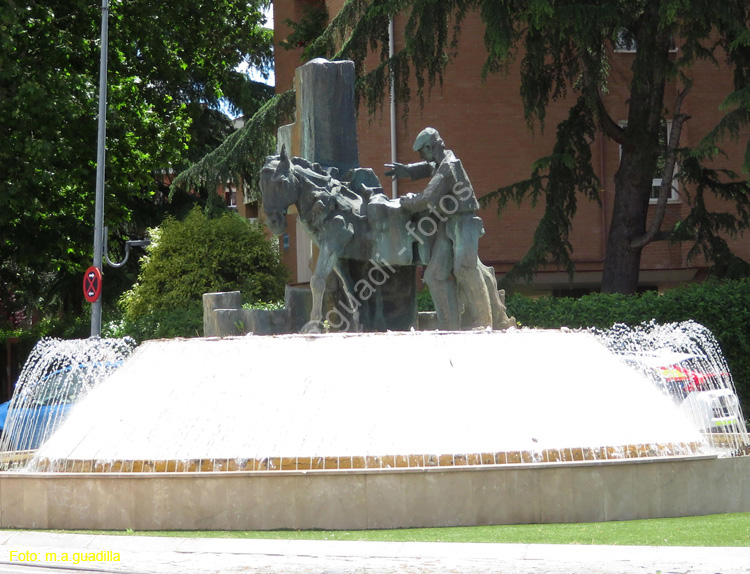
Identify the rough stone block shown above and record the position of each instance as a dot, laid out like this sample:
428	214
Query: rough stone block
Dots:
262	321
326	113
427	321
228	322
298	305
214	301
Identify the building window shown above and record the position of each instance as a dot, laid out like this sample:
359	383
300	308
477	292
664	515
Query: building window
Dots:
624	42
674	197
285	241
230	197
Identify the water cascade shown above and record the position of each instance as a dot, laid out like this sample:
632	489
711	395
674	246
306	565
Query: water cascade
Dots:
57	374
424	399
684	360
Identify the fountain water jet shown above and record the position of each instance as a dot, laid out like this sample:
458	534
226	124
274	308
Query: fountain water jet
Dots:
684	360
57	374
368	401
372	431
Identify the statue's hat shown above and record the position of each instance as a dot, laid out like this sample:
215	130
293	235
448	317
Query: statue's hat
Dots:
427	136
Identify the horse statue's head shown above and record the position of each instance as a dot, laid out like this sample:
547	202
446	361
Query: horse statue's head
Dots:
279	190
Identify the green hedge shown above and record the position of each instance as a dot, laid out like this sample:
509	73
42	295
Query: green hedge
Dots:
185	321
722	307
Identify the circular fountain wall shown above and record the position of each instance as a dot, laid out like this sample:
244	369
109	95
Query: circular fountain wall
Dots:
372	431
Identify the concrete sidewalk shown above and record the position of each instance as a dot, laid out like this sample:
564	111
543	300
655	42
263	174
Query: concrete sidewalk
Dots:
33	552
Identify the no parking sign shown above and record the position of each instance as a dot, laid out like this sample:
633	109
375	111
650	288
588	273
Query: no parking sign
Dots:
92	284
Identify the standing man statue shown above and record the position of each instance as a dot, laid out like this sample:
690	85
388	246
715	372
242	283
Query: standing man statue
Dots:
449	205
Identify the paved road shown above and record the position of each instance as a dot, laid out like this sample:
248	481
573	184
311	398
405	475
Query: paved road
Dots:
27	552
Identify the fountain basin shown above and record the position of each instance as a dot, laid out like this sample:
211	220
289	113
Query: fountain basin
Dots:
388	498
373	431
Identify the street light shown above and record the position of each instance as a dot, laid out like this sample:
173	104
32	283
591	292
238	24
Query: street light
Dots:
128	244
93	277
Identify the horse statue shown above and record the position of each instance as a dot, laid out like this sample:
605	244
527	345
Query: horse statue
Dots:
349	220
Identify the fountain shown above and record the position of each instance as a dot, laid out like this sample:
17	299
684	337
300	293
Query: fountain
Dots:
685	362
374	430
382	429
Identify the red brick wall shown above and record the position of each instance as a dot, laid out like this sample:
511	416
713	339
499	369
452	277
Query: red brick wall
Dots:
484	124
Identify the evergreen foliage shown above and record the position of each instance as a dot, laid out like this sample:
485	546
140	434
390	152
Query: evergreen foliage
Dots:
565	49
241	156
555	179
167	63
195	256
312	23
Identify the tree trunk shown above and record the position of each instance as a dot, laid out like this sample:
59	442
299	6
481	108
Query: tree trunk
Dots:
640	150
622	263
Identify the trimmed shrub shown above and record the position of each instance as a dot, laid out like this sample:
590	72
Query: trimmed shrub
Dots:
161	324
195	256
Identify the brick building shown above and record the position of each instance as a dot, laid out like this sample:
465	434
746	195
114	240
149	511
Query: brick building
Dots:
484	124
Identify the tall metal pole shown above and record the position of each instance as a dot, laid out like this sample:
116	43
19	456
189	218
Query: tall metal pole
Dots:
96	306
394	152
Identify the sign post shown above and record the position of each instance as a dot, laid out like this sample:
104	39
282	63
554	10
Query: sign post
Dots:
96	306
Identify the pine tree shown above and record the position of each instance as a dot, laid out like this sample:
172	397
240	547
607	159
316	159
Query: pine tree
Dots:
564	47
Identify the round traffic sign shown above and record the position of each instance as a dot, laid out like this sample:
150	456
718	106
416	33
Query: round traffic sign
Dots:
92	284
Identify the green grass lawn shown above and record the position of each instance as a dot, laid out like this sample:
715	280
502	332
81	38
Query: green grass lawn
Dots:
714	530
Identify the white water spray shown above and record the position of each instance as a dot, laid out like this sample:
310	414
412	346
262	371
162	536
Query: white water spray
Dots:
368	395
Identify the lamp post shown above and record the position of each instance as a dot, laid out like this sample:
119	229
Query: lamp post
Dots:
96	306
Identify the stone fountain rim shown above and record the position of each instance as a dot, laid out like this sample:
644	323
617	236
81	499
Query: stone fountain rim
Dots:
363	471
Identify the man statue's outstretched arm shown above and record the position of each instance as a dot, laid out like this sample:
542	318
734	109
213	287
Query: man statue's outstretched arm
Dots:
414	171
